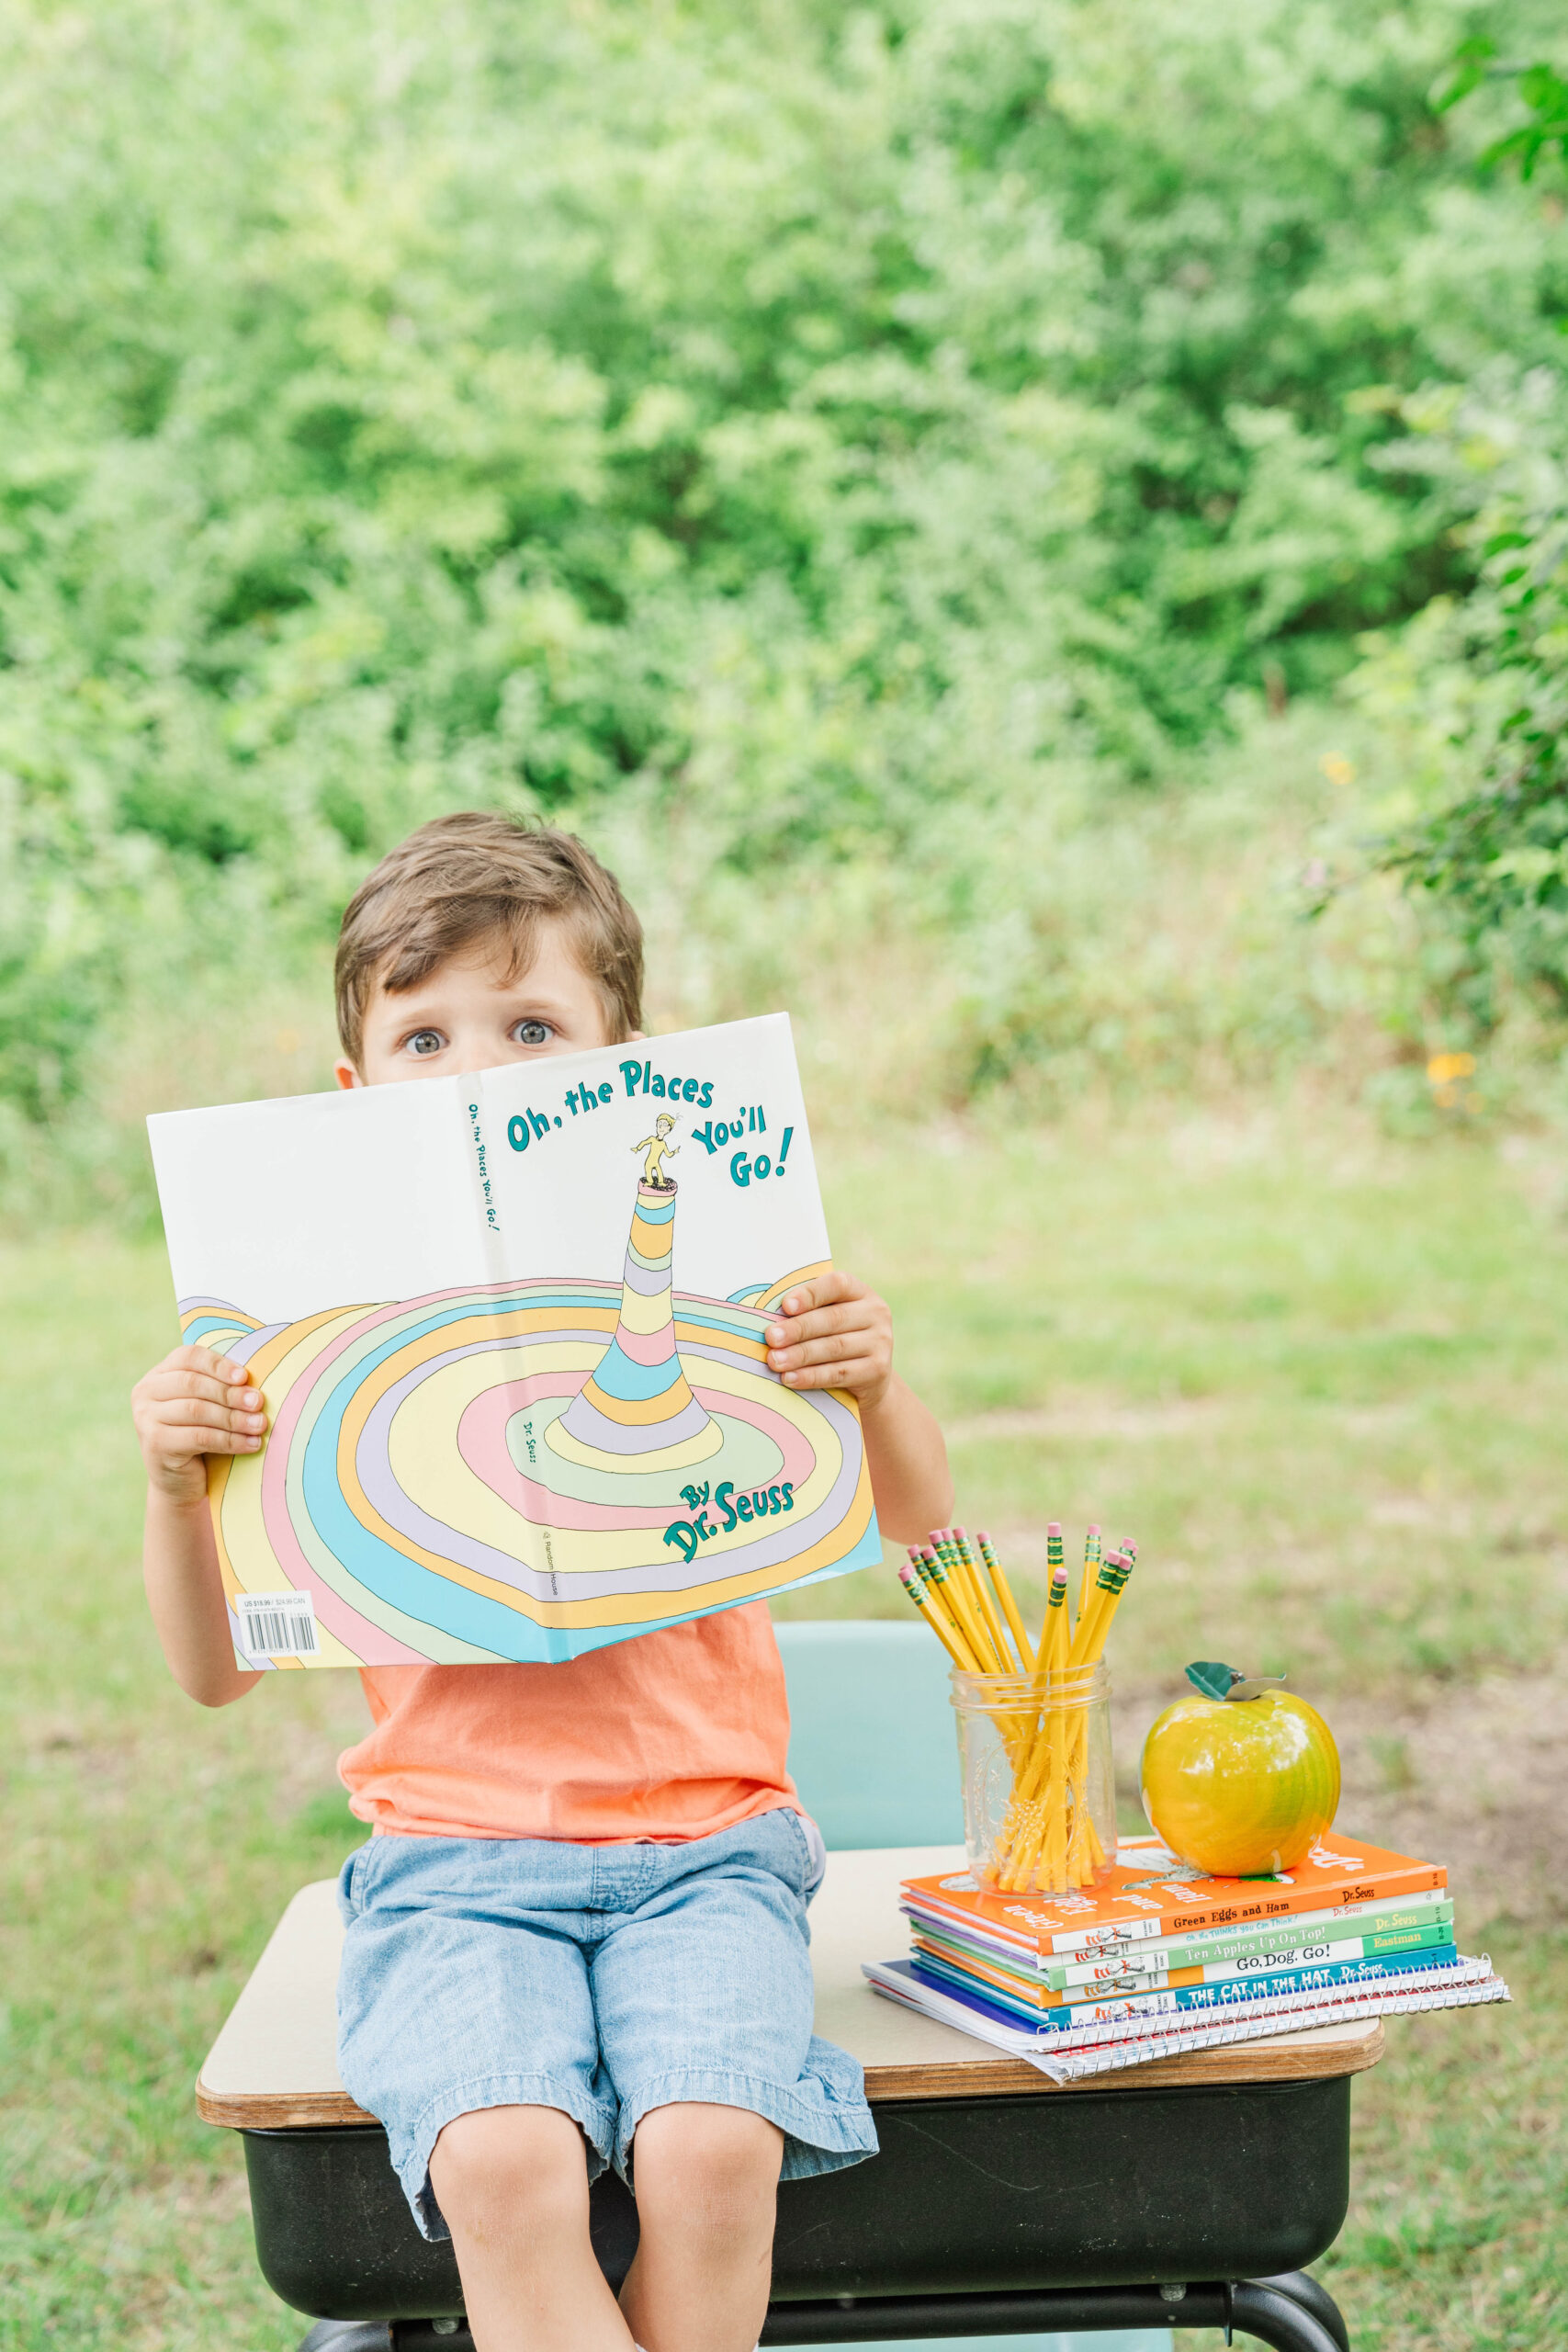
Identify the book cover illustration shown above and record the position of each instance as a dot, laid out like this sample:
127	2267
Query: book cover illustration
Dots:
513	1359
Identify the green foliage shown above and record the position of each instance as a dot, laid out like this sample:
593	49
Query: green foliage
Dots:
1483	682
1542	87
1486	681
790	427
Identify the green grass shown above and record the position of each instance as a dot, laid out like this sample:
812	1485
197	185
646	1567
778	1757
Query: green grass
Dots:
1318	1376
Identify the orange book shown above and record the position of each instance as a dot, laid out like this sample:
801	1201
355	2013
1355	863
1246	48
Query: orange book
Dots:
1148	1895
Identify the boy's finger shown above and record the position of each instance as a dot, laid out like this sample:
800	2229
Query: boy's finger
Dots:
822	1290
165	1386
838	1347
818	1325
227	1442
195	1412
836	1317
860	1372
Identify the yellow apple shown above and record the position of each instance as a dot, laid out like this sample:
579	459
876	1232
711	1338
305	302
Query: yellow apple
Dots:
1240	1786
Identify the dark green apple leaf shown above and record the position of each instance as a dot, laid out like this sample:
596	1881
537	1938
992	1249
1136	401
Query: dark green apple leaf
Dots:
1211	1679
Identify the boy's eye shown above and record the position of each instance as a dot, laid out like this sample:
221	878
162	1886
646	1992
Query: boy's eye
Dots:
425	1041
531	1032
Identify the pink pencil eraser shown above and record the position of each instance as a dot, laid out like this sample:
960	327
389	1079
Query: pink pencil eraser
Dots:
1054	1527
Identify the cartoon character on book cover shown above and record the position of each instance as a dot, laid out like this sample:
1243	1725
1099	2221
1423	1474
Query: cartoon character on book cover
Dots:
522	1470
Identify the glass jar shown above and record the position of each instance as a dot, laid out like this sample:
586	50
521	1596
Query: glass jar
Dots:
1039	1785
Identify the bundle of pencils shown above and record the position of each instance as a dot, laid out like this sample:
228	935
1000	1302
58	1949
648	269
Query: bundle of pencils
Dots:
1041	1699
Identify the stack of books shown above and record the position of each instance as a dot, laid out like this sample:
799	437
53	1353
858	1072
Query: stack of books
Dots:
1155	1959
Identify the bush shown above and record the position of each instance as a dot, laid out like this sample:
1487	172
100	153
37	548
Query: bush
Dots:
852	444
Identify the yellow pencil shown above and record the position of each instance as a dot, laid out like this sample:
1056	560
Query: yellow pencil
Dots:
939	1593
932	1568
922	1598
1053	1631
1089	1639
1009	1607
1090	1566
960	1588
976	1582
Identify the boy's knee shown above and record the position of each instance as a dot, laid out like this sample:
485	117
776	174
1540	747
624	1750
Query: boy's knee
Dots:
526	2163
718	2165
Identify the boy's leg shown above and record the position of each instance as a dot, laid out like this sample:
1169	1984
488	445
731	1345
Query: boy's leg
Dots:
511	2183
465	2024
707	2184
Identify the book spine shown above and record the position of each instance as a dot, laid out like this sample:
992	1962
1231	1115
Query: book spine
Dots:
471	1093
1103	1981
1280	1984
1280	1902
1209	1944
1242	1954
1468	1980
1174	1923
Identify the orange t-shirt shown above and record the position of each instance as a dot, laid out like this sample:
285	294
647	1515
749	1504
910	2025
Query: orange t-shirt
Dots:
673	1735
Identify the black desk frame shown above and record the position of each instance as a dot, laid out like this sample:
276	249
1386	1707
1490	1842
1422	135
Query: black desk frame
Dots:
1192	2206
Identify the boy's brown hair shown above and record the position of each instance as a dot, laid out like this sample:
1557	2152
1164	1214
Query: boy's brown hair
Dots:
473	876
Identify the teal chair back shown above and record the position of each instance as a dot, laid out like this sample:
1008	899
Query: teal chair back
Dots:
872	1749
875	1755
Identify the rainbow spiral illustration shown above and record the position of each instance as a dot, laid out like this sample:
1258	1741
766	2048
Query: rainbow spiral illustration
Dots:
524	1471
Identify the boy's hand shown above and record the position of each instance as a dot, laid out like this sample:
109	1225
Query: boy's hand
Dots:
833	1332
193	1404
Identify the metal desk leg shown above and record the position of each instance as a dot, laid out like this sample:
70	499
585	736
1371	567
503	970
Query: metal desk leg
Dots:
1290	2312
1263	2308
1304	2289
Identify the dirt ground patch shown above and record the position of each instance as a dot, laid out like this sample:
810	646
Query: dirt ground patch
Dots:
1470	1776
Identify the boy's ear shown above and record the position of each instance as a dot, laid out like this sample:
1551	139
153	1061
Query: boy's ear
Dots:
346	1075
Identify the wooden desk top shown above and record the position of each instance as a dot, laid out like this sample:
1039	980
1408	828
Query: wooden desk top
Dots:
274	2063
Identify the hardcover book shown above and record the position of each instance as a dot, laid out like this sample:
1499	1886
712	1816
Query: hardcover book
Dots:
1150	1897
1054	2010
510	1329
1104	1979
1379	1927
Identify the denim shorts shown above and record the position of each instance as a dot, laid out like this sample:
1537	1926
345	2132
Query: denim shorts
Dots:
602	1980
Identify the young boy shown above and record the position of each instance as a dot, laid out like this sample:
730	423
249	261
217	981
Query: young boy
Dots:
577	1933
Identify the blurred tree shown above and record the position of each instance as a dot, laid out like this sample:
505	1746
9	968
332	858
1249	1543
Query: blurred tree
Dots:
807	425
1489	675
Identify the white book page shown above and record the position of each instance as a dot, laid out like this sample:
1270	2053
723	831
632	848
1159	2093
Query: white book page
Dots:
563	1162
284	1208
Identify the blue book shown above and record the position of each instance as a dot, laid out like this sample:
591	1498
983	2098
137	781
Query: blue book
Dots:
1232	1995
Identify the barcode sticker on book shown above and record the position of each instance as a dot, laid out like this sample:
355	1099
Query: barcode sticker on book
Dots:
277	1624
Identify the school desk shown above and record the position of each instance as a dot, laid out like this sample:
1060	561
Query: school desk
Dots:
1186	2193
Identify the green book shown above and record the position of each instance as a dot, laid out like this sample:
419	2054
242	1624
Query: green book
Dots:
1305	1940
1411	1927
1031	1985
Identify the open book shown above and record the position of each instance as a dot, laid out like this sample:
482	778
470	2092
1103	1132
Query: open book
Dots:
510	1330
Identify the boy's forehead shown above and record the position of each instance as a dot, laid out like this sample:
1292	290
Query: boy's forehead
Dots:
546	958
